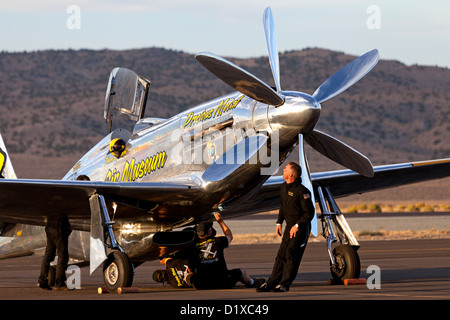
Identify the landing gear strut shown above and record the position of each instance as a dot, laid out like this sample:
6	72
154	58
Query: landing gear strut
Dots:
118	271
344	258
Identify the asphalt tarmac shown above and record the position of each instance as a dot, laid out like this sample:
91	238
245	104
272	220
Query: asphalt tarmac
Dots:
403	269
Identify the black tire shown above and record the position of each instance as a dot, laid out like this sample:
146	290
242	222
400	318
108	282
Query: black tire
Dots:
347	263
117	271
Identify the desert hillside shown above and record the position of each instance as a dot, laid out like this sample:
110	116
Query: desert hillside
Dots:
52	105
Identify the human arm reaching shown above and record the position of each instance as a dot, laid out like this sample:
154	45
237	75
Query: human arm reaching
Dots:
226	231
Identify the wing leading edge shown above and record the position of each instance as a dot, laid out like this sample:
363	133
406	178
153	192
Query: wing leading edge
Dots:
343	183
32	201
347	182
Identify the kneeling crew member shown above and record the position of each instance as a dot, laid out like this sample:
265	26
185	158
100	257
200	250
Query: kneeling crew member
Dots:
176	273
207	262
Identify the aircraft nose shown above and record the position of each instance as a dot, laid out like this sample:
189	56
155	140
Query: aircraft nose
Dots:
299	114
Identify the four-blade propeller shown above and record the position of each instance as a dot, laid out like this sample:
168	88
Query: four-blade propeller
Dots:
256	89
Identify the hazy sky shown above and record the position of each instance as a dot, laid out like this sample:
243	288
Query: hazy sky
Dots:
408	31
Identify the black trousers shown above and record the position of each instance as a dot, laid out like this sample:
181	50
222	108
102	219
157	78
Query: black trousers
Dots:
289	257
57	244
216	280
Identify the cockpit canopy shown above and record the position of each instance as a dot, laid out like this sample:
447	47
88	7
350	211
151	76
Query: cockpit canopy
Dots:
126	94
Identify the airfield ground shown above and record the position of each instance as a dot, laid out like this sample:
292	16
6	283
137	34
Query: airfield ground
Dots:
412	269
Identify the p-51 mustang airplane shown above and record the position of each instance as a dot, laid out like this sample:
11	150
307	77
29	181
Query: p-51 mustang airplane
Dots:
171	173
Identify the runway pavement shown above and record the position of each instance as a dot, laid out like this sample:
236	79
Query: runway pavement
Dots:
408	270
370	222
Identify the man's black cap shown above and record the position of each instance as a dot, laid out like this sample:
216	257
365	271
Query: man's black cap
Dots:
203	228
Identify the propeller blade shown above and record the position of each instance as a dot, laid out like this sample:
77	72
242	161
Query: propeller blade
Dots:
306	181
271	40
239	79
339	152
347	76
234	158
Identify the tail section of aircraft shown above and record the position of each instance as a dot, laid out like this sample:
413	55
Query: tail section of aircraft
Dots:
16	239
6	168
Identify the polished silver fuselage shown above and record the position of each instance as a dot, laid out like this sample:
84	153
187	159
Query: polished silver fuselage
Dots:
298	115
180	149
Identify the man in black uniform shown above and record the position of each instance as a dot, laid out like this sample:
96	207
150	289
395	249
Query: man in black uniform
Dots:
207	265
297	210
57	231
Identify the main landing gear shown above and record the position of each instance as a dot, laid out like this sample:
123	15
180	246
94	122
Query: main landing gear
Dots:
344	258
118	271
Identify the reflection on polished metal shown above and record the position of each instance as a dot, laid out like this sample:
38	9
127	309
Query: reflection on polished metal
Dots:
175	172
347	76
339	152
272	47
235	157
306	181
126	93
239	79
97	252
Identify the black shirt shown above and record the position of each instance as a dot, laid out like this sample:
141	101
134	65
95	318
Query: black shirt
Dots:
176	271
209	264
208	258
296	204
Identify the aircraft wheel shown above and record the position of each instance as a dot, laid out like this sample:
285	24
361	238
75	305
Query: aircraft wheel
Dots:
117	271
347	264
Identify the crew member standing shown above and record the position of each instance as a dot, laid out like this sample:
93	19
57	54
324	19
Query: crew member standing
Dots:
297	210
57	231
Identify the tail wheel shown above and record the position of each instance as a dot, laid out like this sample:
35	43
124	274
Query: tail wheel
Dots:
117	271
347	264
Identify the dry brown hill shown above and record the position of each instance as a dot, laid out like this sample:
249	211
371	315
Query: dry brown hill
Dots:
52	102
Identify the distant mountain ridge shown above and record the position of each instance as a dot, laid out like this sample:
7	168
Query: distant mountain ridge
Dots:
52	101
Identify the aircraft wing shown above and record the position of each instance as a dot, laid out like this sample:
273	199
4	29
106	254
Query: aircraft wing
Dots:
347	182
31	201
